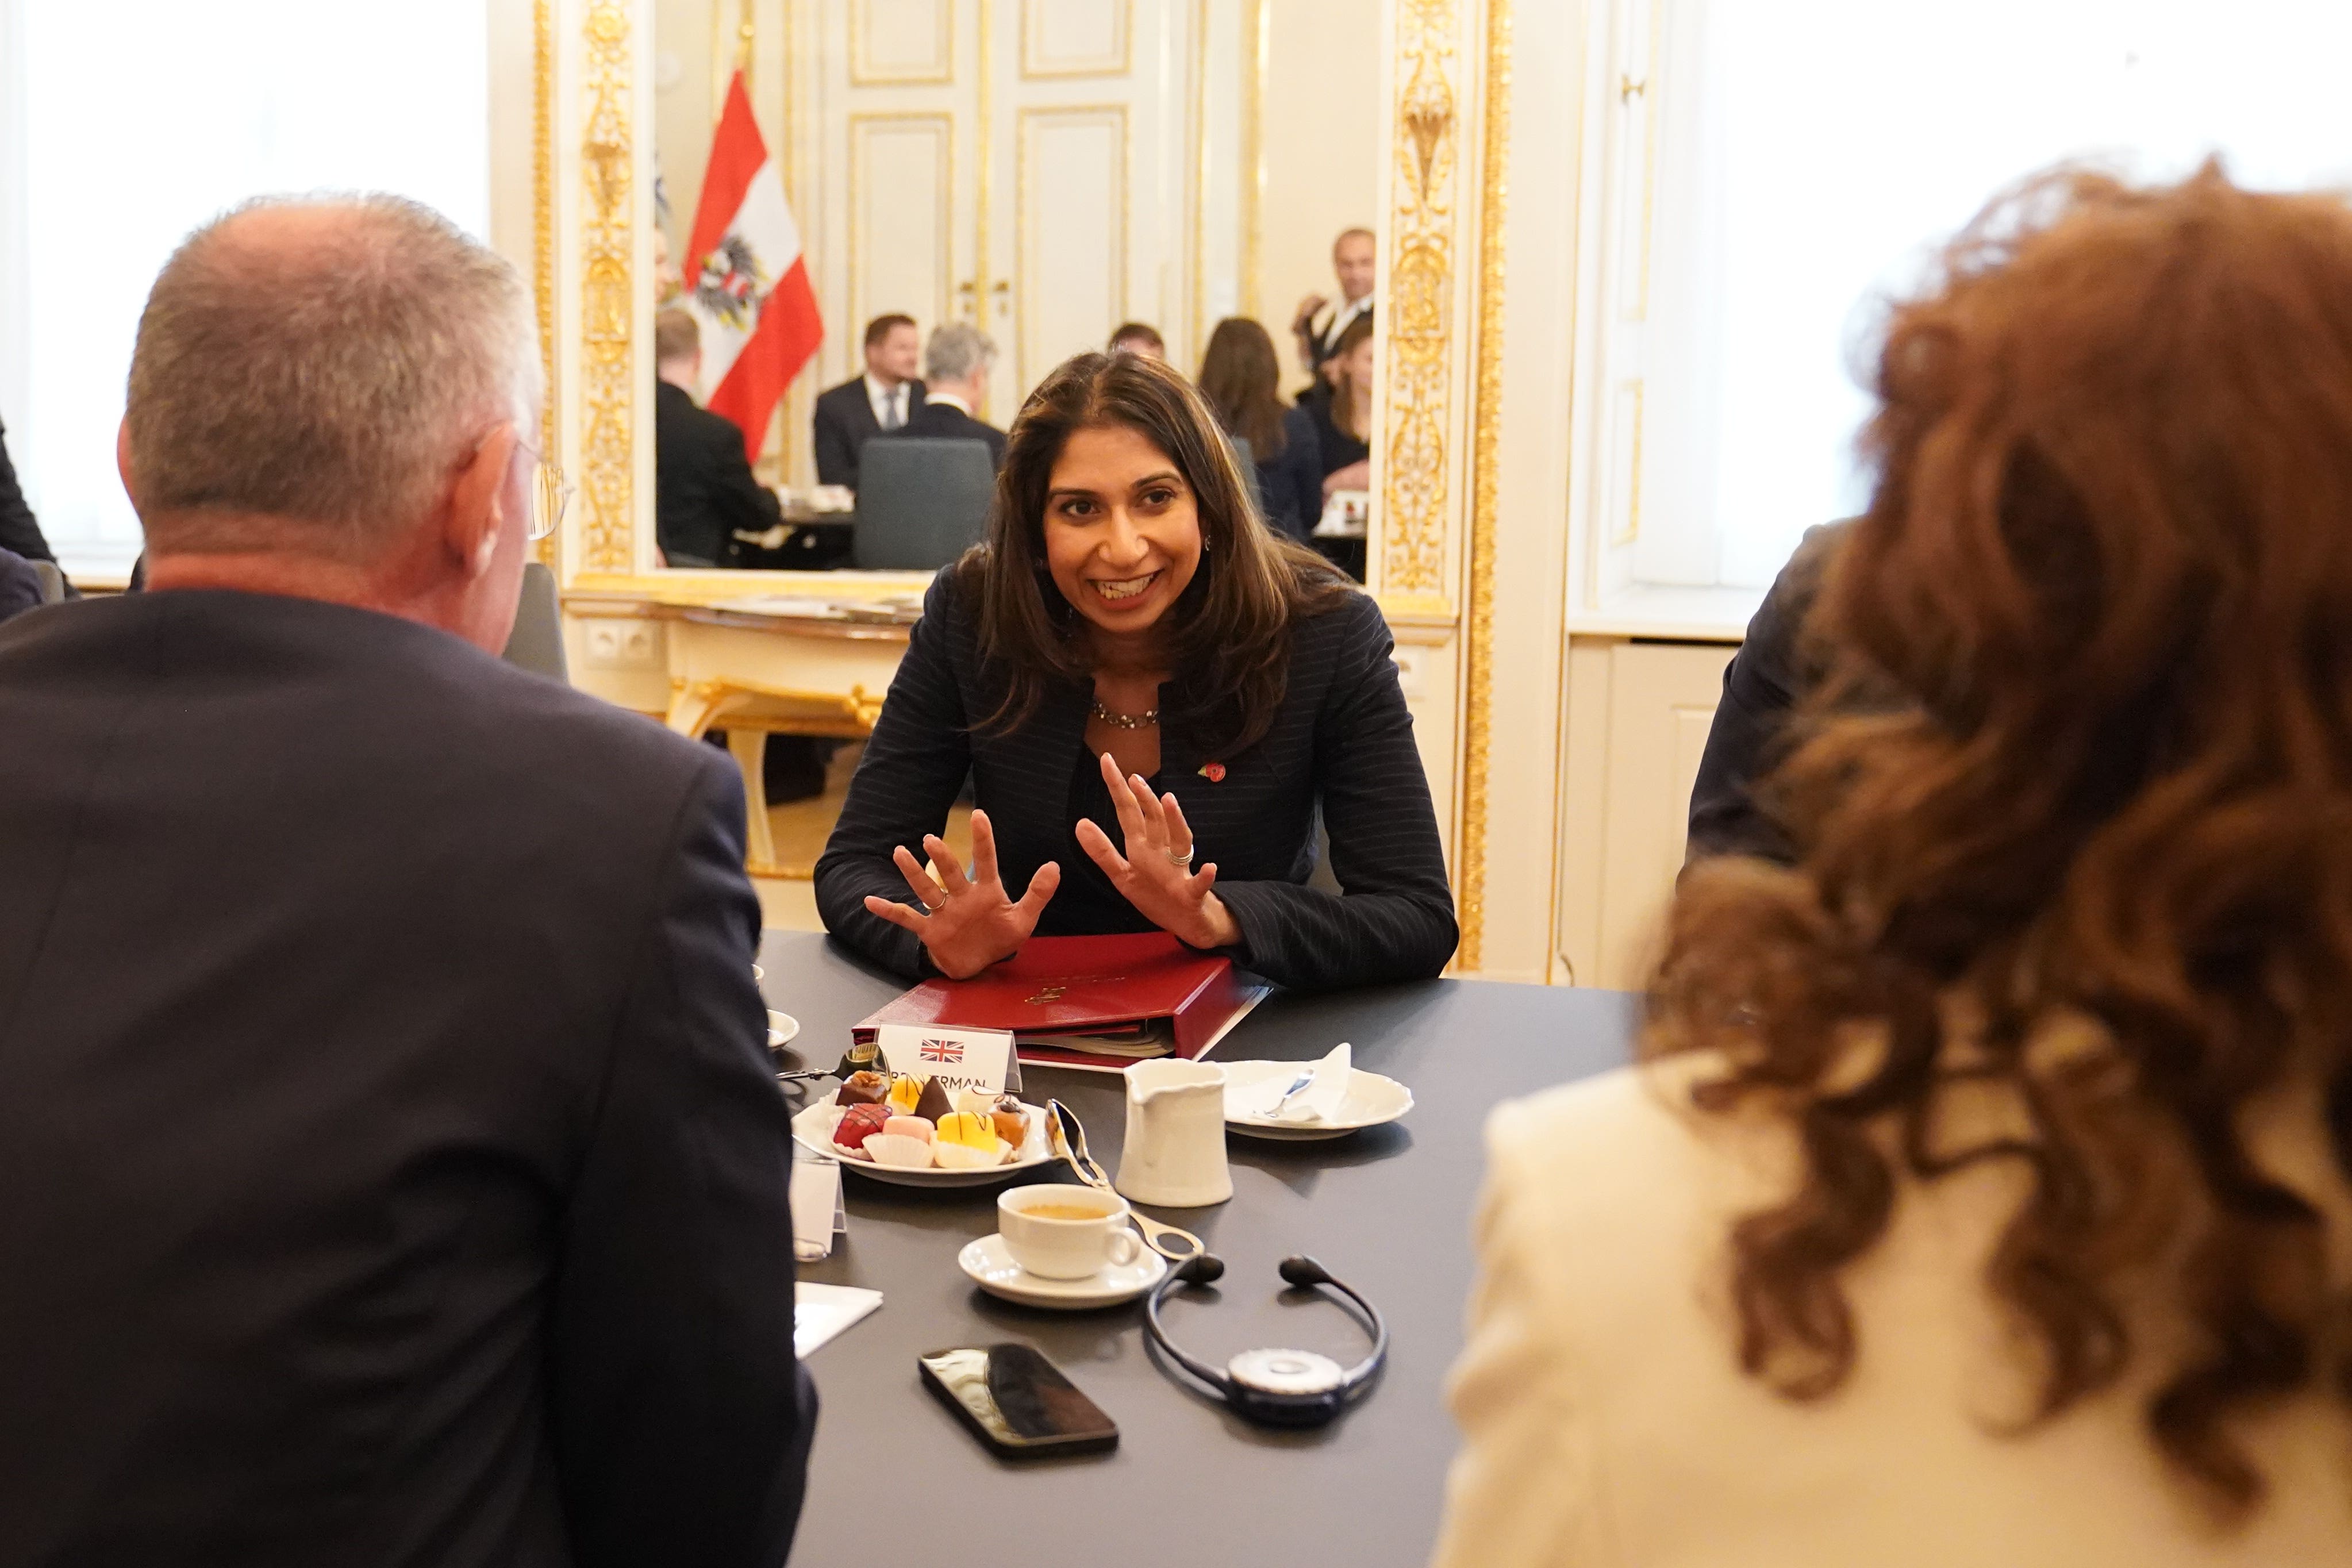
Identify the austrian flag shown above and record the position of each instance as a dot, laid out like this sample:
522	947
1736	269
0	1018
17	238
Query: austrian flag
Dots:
746	278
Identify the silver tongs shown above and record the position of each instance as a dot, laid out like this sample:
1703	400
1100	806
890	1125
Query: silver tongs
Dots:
1067	1136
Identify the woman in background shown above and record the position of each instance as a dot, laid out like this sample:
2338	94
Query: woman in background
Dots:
1991	1200
1153	695
1242	379
1343	418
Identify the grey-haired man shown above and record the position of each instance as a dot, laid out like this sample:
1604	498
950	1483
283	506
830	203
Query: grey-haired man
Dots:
395	1173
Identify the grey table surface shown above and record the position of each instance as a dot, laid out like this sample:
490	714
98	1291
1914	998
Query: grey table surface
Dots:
895	1479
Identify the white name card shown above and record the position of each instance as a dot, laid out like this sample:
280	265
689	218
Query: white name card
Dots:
956	1058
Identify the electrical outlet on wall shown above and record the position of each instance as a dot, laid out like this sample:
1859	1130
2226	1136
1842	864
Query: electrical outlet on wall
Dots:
622	645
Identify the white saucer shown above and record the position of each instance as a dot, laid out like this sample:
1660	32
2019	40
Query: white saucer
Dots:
1370	1100
992	1268
781	1028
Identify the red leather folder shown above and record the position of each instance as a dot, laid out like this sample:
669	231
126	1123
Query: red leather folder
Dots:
1080	987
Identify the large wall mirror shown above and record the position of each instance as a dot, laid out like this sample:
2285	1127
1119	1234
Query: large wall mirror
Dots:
1042	171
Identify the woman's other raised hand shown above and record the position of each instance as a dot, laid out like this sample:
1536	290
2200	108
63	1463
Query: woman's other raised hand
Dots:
1155	873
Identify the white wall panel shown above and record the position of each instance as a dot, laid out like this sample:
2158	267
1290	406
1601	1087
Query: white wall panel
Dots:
899	255
1073	219
1075	37
898	41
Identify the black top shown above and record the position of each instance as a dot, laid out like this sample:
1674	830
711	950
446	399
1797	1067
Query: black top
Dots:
19	530
945	421
1343	738
1334	447
843	423
1290	483
1761	687
20	590
703	486
393	1170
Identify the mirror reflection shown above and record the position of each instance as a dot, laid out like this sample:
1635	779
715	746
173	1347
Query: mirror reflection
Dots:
888	222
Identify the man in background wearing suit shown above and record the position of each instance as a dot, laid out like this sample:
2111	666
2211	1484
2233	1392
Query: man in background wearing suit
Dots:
394	1172
703	486
1317	322
885	398
956	364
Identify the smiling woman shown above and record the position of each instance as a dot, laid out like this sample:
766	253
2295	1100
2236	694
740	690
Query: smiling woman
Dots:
1153	696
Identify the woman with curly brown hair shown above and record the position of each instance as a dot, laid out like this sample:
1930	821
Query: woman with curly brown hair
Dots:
1986	1200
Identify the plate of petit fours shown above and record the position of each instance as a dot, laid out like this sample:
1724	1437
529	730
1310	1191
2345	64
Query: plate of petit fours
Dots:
910	1131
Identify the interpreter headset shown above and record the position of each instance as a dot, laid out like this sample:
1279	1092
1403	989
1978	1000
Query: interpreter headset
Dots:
1278	1387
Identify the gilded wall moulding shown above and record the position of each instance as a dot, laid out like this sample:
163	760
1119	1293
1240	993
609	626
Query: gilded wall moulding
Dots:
1485	485
542	232
608	304
1420	286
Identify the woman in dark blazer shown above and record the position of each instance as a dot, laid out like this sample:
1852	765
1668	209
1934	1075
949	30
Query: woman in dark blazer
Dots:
1242	379
1151	694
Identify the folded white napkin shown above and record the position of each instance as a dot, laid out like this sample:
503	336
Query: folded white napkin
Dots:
817	1212
1320	1101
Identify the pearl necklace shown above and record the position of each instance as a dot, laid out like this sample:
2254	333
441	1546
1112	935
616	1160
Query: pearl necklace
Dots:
1143	721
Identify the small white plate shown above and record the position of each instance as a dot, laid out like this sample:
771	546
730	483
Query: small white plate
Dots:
813	1129
992	1267
782	1028
1372	1100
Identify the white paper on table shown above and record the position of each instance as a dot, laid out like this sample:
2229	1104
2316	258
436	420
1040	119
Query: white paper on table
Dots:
821	1311
818	1215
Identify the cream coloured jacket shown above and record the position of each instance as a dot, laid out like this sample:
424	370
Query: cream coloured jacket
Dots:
1606	1422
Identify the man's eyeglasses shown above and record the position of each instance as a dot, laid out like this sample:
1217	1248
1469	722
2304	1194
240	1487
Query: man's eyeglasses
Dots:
550	495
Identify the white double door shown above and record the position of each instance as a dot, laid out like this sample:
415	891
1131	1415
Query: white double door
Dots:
1017	163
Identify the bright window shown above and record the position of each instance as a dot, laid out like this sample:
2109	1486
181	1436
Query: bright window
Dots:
1808	156
124	126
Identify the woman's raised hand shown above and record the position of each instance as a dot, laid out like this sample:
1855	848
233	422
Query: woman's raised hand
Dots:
1155	873
967	922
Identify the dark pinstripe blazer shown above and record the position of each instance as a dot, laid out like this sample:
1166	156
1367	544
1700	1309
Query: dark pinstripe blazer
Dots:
1342	737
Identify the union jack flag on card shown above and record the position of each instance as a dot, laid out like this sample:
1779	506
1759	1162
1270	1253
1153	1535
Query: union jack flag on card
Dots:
956	1059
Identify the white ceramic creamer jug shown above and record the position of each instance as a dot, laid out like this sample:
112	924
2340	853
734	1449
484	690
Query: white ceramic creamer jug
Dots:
1175	1150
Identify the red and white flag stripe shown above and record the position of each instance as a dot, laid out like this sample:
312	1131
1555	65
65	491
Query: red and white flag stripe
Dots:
746	278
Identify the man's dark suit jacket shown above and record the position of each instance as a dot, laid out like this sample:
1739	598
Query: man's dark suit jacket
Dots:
703	486
1761	687
944	422
843	422
1342	737
394	1171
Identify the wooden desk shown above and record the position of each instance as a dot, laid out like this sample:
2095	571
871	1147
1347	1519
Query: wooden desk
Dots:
756	671
1387	1210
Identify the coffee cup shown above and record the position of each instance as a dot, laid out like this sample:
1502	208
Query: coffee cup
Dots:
1059	1232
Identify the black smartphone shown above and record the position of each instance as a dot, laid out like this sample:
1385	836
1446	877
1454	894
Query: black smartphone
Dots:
1016	1402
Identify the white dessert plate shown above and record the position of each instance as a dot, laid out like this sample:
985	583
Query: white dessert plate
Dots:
813	1129
1372	1100
992	1267
782	1029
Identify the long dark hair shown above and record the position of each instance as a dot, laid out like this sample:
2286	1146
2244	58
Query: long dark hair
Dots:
1231	647
2092	865
1343	386
1242	379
